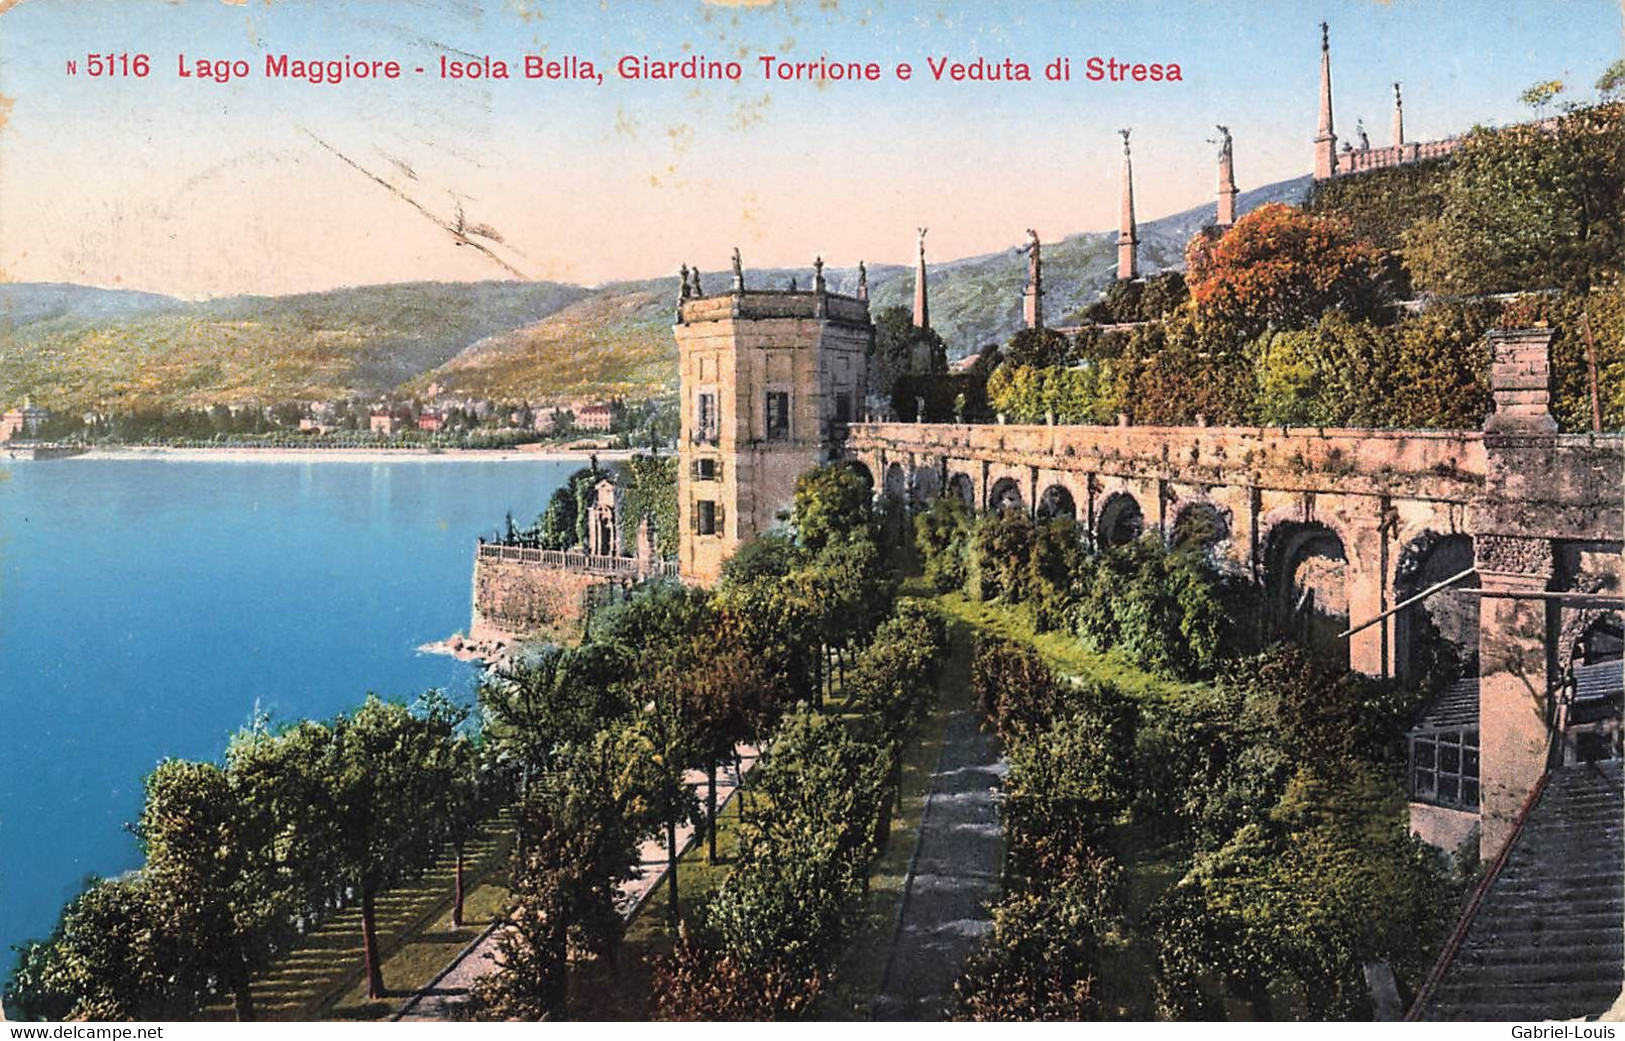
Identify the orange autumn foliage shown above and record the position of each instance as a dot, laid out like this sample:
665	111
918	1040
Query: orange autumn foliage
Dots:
1280	267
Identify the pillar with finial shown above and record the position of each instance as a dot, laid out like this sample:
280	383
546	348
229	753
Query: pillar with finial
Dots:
1128	241
1326	137
739	272
1032	297
863	282
820	297
1227	180
922	307
682	278
1399	118
698	291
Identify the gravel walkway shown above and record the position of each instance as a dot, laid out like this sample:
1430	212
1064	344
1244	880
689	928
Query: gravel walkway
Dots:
953	876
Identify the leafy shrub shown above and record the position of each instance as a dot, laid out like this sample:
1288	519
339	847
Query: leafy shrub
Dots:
1294	906
1163	609
1044	956
894	677
1054	562
694	983
942	534
1528	206
1066	785
1015	687
1280	267
1000	545
781	919
649	489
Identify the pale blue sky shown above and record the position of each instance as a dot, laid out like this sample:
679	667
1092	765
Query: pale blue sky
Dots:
202	189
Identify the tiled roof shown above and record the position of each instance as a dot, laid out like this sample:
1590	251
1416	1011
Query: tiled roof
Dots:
1456	706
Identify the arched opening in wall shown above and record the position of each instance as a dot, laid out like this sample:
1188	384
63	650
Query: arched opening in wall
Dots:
896	482
1306	586
1436	641
1121	521
1593	690
1005	495
961	485
1057	502
1603	640
1200	527
926	487
864	472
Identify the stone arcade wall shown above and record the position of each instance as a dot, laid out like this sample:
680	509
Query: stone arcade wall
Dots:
1350	517
1377	492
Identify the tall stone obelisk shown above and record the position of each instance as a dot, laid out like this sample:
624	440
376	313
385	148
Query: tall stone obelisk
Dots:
1128	240
922	306
1326	138
1227	180
1032	296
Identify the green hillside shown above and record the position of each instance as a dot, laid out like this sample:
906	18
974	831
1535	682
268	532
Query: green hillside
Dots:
615	342
360	341
75	348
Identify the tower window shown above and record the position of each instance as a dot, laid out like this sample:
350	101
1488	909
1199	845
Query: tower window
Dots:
707	518
706	422
707	470
843	407
778	415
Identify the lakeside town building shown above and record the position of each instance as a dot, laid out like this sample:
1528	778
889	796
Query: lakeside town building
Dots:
23	422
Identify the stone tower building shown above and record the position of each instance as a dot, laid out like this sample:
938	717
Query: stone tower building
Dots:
770	381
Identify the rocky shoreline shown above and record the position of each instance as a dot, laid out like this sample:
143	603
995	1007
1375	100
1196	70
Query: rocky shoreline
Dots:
491	652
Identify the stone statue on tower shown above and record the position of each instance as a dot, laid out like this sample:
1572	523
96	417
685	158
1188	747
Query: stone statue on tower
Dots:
1032	296
922	303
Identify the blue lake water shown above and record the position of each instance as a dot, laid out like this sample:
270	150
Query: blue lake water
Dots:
146	605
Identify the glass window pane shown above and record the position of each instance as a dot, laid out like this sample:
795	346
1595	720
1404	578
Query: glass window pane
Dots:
1469	793
1449	759
1469	762
1423	753
1423	785
778	414
1449	788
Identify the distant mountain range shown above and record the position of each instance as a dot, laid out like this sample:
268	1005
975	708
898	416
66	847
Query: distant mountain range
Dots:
75	348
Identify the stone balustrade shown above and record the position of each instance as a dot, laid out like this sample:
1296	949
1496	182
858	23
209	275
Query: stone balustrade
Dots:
587	563
1362	160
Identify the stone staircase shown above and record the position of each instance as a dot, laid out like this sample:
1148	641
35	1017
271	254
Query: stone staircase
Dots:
1549	938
